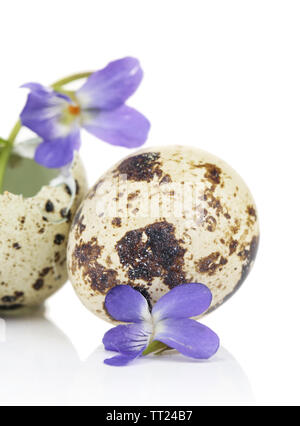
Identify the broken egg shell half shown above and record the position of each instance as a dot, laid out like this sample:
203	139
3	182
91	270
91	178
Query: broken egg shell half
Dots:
179	215
34	233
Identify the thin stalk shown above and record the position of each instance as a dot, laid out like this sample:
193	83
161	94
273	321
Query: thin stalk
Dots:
67	80
14	133
5	154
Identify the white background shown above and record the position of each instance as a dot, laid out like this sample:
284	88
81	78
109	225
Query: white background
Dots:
220	75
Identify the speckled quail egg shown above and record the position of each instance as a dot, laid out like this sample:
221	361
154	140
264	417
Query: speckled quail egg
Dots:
34	226
162	217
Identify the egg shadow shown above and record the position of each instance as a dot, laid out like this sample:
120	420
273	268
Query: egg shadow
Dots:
37	361
165	379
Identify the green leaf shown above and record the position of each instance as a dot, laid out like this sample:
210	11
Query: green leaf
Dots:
3	142
155	346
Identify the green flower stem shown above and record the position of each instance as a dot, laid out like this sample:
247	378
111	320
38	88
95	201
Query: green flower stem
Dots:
5	154
9	143
14	133
69	79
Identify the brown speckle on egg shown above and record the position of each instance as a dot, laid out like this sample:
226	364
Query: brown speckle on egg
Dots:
59	239
12	299
38	284
141	167
85	258
116	222
212	174
233	246
49	207
151	252
165	180
66	214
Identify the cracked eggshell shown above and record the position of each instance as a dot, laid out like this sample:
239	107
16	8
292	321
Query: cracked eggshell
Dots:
32	245
182	215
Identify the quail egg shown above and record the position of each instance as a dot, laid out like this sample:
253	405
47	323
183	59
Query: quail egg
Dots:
159	218
34	227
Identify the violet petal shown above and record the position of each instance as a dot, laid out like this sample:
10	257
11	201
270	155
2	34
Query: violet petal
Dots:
183	301
188	337
43	111
37	88
129	339
120	360
58	152
110	87
123	127
125	304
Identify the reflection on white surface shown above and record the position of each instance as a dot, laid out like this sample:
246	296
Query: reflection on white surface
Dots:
2	330
167	379
38	364
37	361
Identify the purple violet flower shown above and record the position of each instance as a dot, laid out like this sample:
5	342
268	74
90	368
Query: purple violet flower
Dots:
98	106
169	323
